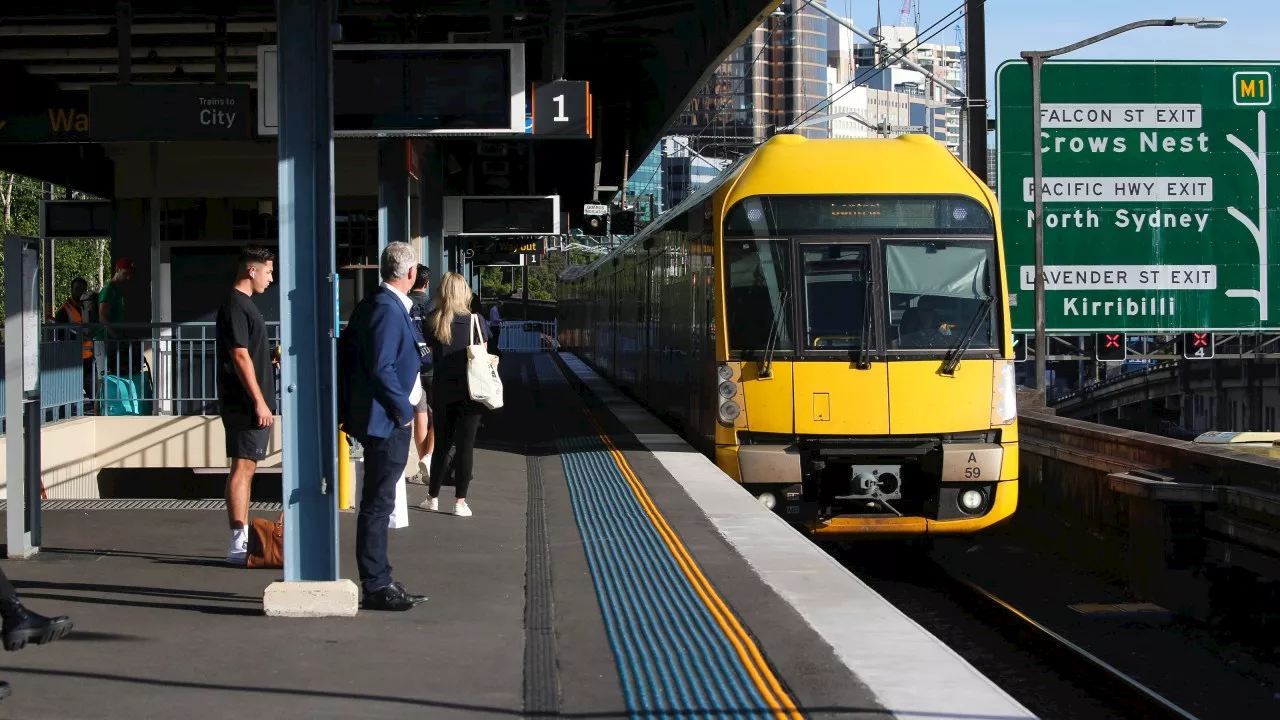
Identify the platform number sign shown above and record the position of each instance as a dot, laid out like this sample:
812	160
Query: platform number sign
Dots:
1019	347
562	108
1197	345
1109	346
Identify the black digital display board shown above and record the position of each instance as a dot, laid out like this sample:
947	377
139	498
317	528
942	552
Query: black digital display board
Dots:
426	89
413	90
76	218
505	215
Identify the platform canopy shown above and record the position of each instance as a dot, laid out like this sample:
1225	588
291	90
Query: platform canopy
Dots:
643	59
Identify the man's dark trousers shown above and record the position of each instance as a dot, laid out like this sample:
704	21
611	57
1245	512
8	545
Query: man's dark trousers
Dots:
384	462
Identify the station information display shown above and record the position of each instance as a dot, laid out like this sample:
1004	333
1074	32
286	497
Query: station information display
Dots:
413	90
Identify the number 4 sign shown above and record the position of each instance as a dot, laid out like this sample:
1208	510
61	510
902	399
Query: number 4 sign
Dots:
562	108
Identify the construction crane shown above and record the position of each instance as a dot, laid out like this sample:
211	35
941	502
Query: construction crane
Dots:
911	15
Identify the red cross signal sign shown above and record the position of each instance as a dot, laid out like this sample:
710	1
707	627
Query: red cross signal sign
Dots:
1197	345
1109	347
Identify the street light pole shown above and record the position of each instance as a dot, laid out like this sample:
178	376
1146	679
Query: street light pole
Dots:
1037	179
1036	58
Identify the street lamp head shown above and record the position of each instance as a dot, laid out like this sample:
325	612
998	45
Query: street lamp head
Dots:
1201	23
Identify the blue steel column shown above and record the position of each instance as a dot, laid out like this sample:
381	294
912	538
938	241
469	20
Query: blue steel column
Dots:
431	212
393	193
308	294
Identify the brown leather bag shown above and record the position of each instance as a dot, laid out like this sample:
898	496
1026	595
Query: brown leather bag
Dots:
266	543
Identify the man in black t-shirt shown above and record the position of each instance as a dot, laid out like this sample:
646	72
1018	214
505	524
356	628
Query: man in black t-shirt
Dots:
246	388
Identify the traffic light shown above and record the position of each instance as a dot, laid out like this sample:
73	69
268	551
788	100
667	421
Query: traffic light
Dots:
1197	345
1019	347
594	225
1109	347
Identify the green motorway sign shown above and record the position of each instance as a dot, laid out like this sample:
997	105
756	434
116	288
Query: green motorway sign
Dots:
1161	195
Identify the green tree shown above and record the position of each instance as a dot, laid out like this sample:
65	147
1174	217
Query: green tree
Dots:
20	215
543	278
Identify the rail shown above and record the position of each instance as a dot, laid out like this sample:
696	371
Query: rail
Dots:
527	336
1108	684
170	368
132	369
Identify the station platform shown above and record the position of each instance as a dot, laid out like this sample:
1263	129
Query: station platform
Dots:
609	571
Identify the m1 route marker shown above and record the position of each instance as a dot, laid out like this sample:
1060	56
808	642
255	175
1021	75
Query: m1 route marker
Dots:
1157	191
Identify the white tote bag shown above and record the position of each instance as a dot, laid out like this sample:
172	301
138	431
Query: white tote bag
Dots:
482	369
400	513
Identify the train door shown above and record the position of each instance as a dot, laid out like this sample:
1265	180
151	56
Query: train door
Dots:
838	390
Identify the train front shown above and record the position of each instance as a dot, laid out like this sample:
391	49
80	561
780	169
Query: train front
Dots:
864	384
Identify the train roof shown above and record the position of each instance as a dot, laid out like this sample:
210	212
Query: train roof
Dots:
791	164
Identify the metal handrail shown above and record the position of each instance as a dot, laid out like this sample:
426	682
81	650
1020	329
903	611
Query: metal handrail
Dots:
1090	388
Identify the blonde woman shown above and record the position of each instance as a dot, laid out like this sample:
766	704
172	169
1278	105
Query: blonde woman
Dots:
457	417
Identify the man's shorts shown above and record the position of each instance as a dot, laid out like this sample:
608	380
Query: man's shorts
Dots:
245	440
424	402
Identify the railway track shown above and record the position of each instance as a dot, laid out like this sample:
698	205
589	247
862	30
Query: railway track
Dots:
1048	673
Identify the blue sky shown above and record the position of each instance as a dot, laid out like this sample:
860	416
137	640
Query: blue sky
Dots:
1017	25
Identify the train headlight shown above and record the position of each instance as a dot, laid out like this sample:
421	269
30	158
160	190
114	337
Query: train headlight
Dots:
971	500
728	389
729	411
1004	394
768	500
724	372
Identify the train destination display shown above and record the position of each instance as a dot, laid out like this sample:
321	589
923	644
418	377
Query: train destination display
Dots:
1160	195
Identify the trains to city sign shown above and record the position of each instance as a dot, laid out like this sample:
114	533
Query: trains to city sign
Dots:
829	322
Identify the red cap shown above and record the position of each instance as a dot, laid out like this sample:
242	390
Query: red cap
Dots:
124	264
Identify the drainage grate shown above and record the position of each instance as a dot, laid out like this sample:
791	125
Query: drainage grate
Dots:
145	505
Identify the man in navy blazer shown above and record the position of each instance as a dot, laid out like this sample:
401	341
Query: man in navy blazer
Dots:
383	389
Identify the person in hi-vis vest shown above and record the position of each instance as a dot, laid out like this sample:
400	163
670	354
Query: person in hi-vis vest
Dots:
76	311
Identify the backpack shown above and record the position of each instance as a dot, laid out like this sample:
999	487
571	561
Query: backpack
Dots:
348	360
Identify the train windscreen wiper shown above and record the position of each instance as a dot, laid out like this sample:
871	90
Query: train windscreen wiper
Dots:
775	332
864	342
952	361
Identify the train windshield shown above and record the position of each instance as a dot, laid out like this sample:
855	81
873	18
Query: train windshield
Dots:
757	294
936	290
836	284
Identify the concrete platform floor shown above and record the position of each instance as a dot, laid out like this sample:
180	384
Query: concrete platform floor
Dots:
164	629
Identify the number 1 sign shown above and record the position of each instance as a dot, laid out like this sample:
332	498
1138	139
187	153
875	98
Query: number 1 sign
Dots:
562	108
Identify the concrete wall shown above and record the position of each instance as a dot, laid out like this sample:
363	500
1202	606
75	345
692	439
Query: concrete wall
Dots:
1168	551
73	452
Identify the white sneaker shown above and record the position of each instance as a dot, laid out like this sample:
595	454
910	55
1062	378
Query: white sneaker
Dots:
461	509
430	503
238	551
424	469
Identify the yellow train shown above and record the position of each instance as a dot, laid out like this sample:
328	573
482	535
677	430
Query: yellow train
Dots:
829	321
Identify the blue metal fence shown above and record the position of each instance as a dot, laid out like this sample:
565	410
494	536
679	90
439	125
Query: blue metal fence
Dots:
526	336
140	369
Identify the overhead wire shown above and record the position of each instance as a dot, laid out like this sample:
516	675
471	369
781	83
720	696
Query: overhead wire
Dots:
888	61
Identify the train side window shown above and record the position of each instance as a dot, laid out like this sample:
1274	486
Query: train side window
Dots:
757	281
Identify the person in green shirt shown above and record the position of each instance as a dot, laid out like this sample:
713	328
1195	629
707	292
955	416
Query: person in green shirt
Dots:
111	309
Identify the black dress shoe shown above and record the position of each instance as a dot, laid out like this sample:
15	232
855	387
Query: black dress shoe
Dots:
415	599
391	597
21	626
